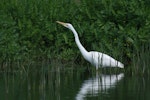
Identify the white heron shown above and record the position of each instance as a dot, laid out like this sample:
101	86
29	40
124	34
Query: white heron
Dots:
97	59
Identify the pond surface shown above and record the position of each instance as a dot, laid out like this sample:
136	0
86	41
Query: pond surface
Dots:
72	84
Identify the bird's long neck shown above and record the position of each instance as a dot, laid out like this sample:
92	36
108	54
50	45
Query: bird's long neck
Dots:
84	52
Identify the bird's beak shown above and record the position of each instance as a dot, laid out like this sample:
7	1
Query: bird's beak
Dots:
62	23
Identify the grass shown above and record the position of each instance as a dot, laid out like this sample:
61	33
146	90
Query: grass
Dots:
118	28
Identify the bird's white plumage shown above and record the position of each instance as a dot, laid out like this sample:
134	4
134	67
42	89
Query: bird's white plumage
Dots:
98	59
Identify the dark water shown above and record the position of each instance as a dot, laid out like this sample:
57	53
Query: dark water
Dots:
72	84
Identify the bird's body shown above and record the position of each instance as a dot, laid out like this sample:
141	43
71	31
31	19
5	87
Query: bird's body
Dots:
98	59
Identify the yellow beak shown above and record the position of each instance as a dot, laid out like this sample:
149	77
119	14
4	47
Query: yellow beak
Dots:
62	23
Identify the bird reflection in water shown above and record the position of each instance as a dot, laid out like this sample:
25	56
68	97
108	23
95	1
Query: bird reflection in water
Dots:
99	84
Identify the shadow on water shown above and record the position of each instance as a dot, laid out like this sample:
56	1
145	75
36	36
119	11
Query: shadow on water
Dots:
71	83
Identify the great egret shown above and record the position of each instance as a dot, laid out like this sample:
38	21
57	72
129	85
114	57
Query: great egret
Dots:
98	59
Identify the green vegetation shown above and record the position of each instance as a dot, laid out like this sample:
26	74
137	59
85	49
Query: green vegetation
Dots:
28	30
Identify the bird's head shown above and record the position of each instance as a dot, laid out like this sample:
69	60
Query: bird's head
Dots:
67	25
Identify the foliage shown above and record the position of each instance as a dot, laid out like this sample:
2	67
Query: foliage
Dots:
117	27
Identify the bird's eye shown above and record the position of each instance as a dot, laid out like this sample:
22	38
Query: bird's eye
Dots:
67	25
